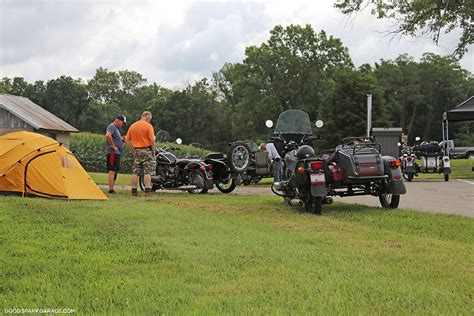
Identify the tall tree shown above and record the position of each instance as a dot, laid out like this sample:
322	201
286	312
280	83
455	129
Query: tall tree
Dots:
422	16
291	70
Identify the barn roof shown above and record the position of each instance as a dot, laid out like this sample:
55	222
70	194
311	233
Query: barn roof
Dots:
33	114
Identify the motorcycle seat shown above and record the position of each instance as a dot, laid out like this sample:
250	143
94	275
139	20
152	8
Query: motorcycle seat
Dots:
182	162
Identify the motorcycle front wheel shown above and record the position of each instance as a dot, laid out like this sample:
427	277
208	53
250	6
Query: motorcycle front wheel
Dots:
141	184
226	186
197	178
388	200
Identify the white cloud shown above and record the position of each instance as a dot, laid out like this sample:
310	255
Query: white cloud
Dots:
174	43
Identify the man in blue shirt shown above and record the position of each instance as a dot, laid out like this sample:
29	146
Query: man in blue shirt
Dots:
113	149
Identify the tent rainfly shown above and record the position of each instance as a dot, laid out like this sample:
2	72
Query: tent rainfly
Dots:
34	164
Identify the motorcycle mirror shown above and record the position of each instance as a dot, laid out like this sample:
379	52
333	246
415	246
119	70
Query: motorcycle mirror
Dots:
319	124
417	138
269	123
179	141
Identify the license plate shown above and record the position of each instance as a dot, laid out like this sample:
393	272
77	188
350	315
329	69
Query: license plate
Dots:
409	164
317	178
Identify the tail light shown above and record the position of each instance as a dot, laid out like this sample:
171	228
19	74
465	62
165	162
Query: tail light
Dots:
446	159
202	168
300	170
409	158
317	165
210	166
394	163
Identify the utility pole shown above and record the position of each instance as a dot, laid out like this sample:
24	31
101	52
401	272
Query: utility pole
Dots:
369	114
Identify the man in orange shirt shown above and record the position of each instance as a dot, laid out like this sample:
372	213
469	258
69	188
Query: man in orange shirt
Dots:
141	141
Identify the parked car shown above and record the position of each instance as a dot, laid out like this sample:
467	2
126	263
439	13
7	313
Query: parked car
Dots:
457	152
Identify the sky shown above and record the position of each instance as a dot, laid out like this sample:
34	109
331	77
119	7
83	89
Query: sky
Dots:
175	43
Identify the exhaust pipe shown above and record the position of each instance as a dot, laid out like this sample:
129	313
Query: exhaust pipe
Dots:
296	202
328	200
184	188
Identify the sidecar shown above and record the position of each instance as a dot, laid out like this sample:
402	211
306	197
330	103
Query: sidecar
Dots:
356	167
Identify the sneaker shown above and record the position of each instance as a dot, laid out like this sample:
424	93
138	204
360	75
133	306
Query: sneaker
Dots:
134	192
112	191
147	191
277	186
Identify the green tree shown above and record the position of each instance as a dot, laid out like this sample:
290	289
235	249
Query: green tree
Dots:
346	113
422	17
291	70
67	98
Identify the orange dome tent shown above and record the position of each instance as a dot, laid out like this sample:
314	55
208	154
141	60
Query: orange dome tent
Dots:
34	164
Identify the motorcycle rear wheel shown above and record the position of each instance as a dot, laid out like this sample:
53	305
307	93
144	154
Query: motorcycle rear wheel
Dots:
197	178
226	187
389	201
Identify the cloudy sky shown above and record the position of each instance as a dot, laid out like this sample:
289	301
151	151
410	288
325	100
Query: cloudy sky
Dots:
176	42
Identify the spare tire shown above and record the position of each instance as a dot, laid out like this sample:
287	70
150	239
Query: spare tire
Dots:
238	156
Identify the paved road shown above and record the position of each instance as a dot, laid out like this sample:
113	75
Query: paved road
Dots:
436	196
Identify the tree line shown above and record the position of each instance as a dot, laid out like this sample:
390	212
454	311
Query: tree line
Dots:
297	68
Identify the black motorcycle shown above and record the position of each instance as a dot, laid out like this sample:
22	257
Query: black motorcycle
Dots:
192	175
303	179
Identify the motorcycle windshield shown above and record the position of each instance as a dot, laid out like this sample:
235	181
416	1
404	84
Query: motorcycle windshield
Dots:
293	122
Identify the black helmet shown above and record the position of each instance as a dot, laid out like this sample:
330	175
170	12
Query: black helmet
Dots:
304	152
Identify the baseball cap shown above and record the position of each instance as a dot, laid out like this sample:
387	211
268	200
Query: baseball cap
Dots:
122	118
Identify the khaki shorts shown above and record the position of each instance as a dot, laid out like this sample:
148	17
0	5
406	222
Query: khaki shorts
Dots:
143	162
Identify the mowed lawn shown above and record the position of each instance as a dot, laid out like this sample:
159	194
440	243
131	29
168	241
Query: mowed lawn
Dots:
228	254
460	169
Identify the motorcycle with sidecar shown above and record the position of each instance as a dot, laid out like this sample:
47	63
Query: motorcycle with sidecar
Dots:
355	167
433	158
191	175
243	164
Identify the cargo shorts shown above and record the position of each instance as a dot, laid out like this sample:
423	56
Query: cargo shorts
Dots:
143	162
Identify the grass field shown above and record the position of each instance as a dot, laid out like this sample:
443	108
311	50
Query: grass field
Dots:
215	254
460	169
102	178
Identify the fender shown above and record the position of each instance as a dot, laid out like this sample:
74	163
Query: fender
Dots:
410	169
319	190
395	176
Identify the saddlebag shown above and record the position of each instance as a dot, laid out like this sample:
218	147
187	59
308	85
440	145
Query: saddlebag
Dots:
261	162
362	163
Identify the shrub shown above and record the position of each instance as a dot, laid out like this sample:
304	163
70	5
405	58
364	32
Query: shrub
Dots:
89	149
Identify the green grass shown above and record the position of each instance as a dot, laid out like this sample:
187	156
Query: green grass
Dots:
102	178
460	169
215	254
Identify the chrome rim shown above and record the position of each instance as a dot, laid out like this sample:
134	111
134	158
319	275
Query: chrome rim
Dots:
388	198
240	157
226	184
